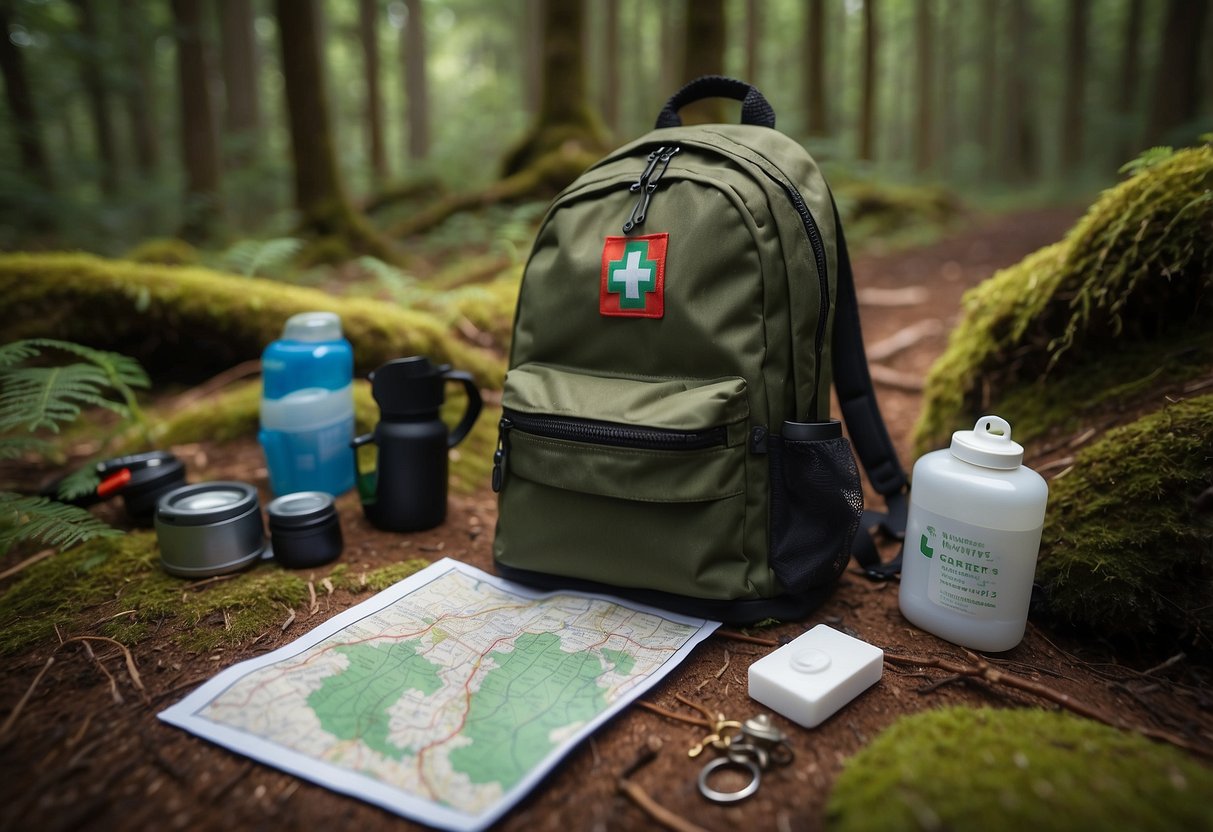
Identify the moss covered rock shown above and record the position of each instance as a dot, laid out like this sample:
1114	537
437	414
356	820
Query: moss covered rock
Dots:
167	251
1133	275
1124	550
962	769
175	318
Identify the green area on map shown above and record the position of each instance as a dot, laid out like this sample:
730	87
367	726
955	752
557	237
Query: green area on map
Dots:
355	703
535	690
620	661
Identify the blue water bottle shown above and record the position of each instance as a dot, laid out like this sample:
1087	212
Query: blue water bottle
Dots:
307	406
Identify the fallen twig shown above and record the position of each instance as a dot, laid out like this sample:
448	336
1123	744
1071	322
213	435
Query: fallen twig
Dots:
981	669
904	338
748	639
241	370
30	561
896	379
20	706
674	715
640	797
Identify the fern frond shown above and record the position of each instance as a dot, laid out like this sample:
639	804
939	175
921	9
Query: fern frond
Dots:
1147	159
14	353
45	397
25	518
84	480
120	369
15	447
248	257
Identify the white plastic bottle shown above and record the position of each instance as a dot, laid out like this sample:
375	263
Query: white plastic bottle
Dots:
972	538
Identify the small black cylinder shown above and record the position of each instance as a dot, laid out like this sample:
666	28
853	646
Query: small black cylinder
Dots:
304	529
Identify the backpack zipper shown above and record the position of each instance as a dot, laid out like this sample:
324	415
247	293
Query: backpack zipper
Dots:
646	185
594	432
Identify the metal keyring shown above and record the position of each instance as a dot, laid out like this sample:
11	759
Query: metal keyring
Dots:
729	797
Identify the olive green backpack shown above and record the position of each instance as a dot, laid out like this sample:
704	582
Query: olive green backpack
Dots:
665	431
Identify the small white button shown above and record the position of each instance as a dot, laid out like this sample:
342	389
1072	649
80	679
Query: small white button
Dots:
811	661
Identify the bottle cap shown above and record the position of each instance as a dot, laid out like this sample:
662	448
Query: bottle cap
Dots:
313	326
988	444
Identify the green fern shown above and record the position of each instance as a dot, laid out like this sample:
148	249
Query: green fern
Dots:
54	524
253	257
399	284
39	398
1147	159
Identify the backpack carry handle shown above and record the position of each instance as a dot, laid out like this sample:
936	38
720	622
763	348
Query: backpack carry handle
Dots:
754	107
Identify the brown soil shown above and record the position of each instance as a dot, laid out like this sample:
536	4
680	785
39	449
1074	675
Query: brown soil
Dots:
77	759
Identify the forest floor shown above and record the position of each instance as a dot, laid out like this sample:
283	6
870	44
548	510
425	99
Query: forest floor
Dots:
76	758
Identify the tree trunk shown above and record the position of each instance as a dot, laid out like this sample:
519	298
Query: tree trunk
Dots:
138	50
611	90
673	36
368	33
532	38
93	80
704	55
1176	100
566	121
1075	88
814	68
987	95
199	142
21	108
950	30
1019	150
924	77
1126	89
867	101
238	60
416	88
319	197
753	40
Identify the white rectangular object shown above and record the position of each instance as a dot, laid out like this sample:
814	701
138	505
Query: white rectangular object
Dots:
446	697
811	678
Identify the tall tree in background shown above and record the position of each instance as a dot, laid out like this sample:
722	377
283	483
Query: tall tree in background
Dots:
416	87
238	59
924	77
949	35
1019	134
753	40
199	140
92	76
814	68
867	96
566	123
319	197
532	54
1072	104
1128	83
138	54
703	54
368	34
987	88
611	91
673	33
21	108
1176	99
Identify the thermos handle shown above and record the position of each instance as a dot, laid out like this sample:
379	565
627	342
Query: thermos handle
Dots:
367	483
473	410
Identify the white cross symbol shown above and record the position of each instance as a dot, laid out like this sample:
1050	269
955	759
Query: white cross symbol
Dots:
632	276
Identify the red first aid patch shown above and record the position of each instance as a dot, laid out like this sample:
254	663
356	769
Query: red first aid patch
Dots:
633	276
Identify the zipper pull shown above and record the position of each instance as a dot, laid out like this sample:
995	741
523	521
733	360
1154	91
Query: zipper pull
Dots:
648	182
499	456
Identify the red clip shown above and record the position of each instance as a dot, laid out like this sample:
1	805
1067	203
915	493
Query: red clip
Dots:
114	482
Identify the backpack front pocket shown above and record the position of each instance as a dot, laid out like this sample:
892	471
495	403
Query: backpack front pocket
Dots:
637	484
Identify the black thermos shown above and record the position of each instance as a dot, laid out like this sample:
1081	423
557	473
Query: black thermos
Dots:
407	489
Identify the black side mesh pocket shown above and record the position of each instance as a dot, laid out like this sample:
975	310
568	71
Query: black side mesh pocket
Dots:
816	503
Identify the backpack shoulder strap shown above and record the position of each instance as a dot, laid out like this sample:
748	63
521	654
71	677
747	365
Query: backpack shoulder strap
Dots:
865	424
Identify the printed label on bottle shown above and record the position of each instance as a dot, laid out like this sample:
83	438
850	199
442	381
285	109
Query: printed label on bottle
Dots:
982	572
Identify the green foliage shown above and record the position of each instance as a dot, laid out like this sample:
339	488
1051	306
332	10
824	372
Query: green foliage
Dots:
1123	553
982	769
46	521
167	251
259	257
398	284
1147	159
1133	271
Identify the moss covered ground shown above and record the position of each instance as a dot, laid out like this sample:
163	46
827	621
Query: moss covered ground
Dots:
1135	270
75	588
983	769
186	315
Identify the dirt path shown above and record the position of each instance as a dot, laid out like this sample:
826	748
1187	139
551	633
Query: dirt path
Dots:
78	759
